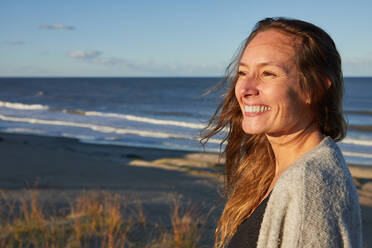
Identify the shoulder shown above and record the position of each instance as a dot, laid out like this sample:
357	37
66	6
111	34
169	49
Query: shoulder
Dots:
327	198
326	176
314	203
320	180
320	171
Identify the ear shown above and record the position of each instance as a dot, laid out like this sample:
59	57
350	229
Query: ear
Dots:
329	83
307	98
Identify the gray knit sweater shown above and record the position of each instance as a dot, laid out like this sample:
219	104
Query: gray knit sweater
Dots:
313	204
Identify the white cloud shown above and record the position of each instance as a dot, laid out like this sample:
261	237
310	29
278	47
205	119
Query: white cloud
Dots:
94	56
56	27
89	54
14	42
108	61
25	70
183	68
360	60
358	66
149	67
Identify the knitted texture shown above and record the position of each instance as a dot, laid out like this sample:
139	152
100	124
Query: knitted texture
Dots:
313	204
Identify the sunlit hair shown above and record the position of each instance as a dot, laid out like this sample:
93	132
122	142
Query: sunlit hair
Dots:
250	161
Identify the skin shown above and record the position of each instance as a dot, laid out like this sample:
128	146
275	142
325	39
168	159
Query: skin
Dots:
268	76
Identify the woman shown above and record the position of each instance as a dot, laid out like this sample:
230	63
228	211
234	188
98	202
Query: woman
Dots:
286	180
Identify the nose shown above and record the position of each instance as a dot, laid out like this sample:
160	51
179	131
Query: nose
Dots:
248	86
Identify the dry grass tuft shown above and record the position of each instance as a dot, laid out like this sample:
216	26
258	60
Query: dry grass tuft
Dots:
186	228
93	220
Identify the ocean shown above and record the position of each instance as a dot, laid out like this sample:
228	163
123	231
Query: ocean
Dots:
147	112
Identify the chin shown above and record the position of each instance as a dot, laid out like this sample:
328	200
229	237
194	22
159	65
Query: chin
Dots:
252	130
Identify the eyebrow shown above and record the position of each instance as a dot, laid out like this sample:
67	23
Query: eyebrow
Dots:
268	63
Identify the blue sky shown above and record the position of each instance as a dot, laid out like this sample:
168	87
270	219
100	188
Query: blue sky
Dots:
160	38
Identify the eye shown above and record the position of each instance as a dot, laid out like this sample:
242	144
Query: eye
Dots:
241	73
269	74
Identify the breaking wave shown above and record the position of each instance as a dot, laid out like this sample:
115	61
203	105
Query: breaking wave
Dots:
101	114
357	142
357	154
146	120
103	129
23	106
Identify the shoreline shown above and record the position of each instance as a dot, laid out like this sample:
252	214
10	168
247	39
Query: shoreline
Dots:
358	170
58	166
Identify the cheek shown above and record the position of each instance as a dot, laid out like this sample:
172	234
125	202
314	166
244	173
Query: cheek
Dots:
236	91
287	101
293	97
296	104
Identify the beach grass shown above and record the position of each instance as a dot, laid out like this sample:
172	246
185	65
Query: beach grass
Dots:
94	220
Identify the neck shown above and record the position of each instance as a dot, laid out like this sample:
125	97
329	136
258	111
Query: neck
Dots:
288	148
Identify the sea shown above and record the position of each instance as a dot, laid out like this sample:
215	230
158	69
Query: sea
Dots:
166	113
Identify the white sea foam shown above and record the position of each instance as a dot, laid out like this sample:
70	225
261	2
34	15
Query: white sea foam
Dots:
22	106
357	154
78	136
101	114
99	128
24	130
357	142
108	129
143	133
147	120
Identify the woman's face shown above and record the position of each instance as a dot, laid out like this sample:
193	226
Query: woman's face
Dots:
268	89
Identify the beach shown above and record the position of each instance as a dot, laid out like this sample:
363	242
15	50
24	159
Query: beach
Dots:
61	169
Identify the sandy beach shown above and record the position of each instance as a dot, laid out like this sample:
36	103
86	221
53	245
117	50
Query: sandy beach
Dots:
63	168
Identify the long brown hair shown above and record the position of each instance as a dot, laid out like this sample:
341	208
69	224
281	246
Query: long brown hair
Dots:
250	161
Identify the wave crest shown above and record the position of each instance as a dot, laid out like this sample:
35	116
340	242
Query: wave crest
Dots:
101	114
104	129
147	120
23	106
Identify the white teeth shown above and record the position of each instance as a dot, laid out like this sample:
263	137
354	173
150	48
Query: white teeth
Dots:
256	109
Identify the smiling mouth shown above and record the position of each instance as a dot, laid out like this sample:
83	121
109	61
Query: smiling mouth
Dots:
256	109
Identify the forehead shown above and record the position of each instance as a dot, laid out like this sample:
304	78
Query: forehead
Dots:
271	44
